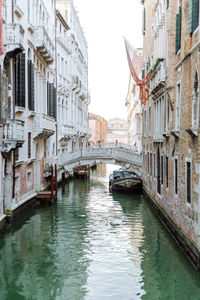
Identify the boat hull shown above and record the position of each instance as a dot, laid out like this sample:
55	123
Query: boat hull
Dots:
126	185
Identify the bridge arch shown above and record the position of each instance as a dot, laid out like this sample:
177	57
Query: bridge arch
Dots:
122	155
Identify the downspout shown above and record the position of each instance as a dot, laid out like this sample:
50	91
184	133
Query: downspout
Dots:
13	10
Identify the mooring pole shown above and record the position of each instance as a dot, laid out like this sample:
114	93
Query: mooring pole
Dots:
52	183
56	179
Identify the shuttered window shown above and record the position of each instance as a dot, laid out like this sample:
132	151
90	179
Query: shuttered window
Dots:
162	170
178	30
51	100
151	164
176	176
29	144
31	96
188	181
193	15
20	80
167	171
167	3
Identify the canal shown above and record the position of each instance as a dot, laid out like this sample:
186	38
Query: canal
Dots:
93	245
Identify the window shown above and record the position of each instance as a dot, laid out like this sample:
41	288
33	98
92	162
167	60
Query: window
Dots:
162	169
193	15
29	144
151	164
29	178
188	181
149	120
167	115
195	103
20	80
148	162
167	171
178	30
167	2
31	86
16	154
176	176
159	118
144	21
154	165
145	120
178	105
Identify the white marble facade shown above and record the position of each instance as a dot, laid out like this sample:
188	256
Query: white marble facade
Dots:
134	112
44	111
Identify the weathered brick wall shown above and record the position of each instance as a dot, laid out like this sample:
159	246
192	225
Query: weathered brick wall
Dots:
179	67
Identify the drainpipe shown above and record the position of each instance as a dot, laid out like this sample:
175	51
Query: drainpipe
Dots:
13	10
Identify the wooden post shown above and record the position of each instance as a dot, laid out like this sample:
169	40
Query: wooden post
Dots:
56	179
52	183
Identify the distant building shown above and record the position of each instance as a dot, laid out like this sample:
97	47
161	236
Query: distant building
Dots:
117	130
134	113
98	125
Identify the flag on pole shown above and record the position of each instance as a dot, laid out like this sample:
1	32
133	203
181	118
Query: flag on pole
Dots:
136	65
1	28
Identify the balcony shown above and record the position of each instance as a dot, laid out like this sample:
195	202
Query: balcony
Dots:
83	131
44	126
43	44
13	134
157	81
14	37
66	132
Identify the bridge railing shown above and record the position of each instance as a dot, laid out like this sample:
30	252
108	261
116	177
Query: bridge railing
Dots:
114	145
100	152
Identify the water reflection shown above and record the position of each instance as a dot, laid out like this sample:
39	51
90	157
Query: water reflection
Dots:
93	244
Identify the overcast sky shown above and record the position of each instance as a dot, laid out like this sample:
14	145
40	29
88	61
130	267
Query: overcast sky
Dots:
105	22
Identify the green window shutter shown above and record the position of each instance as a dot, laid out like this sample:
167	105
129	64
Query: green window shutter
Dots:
167	3
144	21
31	104
20	80
52	100
193	15
178	30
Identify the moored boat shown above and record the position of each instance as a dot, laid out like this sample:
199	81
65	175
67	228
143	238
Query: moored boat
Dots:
124	181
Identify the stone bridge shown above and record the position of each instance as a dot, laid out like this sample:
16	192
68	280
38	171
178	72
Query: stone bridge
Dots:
119	154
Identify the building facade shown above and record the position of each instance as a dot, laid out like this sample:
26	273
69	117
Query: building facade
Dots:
117	130
98	126
44	95
171	117
134	112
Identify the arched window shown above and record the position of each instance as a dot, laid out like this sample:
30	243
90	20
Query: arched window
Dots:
195	102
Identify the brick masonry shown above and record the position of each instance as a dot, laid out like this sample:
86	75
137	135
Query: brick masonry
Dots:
180	67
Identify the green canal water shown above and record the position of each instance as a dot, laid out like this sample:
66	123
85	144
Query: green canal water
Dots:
93	245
